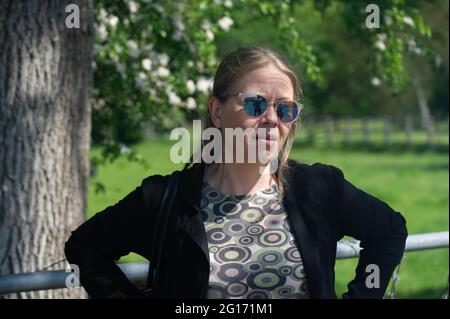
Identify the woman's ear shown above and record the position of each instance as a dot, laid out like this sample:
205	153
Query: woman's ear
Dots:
215	111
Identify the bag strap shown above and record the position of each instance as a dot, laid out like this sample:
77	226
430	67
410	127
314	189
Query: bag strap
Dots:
162	219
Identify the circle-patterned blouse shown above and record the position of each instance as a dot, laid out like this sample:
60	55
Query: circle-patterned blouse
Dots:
253	254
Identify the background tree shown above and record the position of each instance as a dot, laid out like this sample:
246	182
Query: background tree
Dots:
45	89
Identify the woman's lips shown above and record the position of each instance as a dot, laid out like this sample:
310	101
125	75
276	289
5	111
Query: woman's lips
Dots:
269	141
267	137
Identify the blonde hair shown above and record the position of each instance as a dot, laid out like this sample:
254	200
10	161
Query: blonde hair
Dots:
231	69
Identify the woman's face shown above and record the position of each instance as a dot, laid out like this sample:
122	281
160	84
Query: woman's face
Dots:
268	82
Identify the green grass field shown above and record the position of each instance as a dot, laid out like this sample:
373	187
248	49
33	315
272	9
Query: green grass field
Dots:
413	182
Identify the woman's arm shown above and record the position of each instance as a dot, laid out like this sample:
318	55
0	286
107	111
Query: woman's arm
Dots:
381	230
114	232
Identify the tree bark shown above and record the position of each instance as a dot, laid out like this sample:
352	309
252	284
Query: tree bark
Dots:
45	90
425	113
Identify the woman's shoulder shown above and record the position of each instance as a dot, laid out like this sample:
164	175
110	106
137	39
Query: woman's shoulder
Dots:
153	184
316	169
158	180
317	177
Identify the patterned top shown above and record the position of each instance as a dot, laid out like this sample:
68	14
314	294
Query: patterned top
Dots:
253	254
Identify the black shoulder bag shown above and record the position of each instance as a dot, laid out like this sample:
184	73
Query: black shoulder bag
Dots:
159	236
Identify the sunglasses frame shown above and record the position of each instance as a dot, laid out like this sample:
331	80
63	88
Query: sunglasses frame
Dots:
277	104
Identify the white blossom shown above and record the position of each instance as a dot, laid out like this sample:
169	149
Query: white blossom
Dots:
382	37
408	20
209	35
152	93
190	86
163	59
173	98
158	8
124	149
113	21
178	23
148	48
133	6
103	15
162	71
228	4
225	23
190	103
203	84
206	25
147	64
380	44
133	48
412	46
100	103
158	83
120	67
142	76
375	81
132	45
141	81
388	20
179	27
102	32
117	48
417	51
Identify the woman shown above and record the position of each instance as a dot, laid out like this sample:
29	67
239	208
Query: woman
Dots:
235	232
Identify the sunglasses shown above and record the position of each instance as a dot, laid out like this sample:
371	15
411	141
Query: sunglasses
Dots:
256	105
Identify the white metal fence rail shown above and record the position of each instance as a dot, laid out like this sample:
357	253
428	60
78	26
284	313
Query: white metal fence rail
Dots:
137	272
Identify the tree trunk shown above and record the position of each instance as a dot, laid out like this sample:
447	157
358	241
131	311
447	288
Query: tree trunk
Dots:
425	113
45	90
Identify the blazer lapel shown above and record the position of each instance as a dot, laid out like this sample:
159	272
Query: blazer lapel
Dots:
191	218
298	202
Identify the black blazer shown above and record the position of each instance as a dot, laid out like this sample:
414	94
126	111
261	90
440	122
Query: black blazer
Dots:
321	207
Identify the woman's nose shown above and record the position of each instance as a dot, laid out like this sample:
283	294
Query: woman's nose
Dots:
271	114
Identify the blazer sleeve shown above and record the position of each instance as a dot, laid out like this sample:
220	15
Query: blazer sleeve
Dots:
114	232
382	233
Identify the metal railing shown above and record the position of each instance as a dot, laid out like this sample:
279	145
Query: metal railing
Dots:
137	272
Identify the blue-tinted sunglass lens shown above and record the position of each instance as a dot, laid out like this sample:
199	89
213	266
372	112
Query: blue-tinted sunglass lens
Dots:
287	111
255	106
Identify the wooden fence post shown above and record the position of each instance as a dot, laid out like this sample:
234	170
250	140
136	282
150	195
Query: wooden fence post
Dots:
408	130
311	129
328	131
347	130
366	131
387	131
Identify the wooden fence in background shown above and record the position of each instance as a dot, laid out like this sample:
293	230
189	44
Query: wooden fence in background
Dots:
368	131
